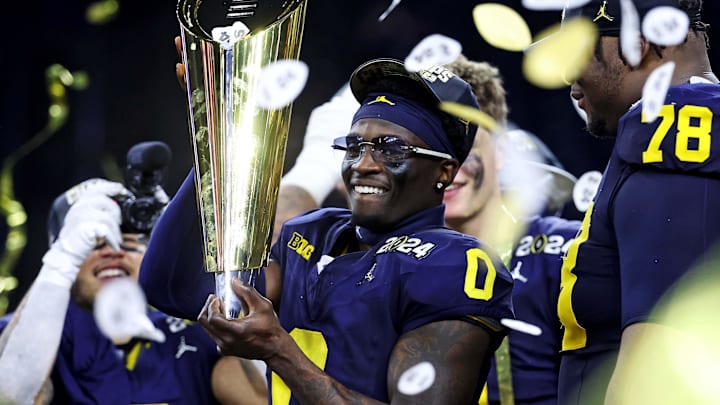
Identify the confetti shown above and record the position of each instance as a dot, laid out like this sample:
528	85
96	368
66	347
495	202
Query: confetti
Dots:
227	36
520	175
666	26
585	189
655	89
389	10
433	50
501	26
521	326
120	311
560	54
552	4
630	33
281	83
416	379
470	114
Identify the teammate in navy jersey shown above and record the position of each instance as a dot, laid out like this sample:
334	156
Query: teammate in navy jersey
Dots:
363	296
655	214
475	205
66	345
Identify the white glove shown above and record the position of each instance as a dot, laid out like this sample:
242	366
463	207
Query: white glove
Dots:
161	195
92	217
317	167
95	186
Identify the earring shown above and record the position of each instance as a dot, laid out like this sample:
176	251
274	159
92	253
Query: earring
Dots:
440	185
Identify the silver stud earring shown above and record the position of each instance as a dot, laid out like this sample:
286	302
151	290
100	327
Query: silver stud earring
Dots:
439	185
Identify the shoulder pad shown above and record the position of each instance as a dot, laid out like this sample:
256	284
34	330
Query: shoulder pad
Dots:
680	139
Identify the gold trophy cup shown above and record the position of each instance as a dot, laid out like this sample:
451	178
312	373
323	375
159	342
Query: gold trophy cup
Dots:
239	147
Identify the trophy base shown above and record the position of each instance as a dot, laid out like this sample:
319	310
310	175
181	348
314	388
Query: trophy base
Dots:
234	307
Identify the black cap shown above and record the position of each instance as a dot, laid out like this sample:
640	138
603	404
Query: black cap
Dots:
606	14
429	87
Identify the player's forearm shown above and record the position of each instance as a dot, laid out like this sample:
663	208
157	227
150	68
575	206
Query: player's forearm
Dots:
30	342
308	383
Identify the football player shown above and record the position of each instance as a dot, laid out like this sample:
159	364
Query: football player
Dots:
476	204
655	213
377	303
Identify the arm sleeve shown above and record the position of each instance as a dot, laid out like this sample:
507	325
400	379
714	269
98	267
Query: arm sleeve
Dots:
665	224
27	355
172	273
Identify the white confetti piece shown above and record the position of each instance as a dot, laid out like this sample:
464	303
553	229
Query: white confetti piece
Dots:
120	311
630	33
416	379
666	26
227	36
389	10
433	50
521	326
655	89
281	83
552	4
585	189
578	110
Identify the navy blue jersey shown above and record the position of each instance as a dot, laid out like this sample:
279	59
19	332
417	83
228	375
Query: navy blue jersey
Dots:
90	369
535	267
347	311
655	216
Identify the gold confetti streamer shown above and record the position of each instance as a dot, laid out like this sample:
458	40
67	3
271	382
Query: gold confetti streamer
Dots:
58	79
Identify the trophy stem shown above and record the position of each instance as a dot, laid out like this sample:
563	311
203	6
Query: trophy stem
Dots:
234	306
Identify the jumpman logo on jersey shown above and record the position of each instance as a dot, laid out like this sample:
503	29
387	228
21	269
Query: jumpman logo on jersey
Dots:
602	13
515	273
381	99
369	276
183	347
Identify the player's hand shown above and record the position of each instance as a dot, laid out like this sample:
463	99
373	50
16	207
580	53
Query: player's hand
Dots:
254	336
91	219
179	67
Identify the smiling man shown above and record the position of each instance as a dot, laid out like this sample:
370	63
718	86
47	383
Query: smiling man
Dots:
386	291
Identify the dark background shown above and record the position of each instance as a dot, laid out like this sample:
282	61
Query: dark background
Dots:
134	96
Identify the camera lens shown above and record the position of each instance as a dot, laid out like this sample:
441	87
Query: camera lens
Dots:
140	214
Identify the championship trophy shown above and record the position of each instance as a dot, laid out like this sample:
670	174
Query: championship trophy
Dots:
238	146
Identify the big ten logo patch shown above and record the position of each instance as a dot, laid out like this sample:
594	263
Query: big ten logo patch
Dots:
437	73
409	246
300	245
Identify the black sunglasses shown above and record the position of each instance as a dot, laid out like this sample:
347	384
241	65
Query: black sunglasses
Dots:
384	148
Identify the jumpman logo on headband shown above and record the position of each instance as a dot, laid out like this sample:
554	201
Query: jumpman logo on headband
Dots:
602	13
381	99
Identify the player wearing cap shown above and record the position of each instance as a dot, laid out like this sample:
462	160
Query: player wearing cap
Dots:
655	214
381	303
